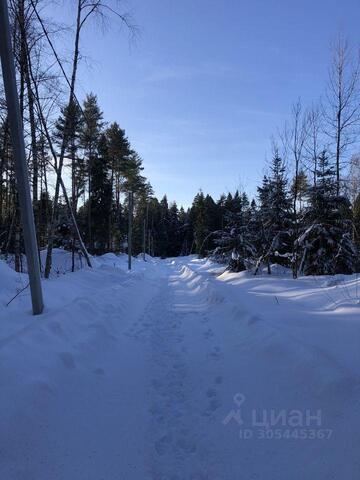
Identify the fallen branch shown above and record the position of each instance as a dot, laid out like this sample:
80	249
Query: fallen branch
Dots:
20	291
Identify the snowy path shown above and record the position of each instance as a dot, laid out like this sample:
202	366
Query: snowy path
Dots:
183	394
131	377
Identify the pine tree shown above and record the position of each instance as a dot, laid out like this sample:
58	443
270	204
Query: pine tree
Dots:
89	136
119	149
72	120
100	197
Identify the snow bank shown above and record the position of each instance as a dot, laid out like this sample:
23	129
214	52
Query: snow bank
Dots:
62	261
10	284
56	371
135	372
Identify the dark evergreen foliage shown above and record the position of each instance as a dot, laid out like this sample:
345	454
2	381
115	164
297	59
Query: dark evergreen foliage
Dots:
326	243
320	236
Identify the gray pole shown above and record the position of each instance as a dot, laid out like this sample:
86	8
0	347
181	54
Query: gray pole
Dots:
18	146
130	229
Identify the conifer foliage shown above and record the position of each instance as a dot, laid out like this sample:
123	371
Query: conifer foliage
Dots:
83	167
275	218
326	243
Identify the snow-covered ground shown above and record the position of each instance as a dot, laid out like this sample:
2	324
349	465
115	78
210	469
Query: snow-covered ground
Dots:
176	371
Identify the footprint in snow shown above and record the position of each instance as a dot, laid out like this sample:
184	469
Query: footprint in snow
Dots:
216	353
56	328
211	392
186	445
179	338
253	319
67	360
99	371
179	365
214	404
163	444
208	334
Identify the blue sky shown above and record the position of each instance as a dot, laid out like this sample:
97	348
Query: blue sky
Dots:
208	82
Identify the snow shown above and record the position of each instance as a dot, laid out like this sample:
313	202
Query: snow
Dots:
10	283
160	373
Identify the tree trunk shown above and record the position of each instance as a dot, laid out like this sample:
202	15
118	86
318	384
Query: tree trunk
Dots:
63	148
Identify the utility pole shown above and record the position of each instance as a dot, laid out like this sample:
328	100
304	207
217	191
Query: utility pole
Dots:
130	229
18	146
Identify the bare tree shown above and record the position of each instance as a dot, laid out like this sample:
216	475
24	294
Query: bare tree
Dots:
314	142
293	139
37	71
85	10
342	112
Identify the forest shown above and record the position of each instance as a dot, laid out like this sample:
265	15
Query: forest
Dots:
179	242
305	215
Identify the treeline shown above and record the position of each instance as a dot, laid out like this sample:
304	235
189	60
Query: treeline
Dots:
305	215
102	168
80	166
321	238
99	167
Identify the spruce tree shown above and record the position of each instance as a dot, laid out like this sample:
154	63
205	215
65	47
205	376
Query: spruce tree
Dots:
301	187
326	244
205	218
186	233
356	220
174	239
198	221
233	240
162	238
275	234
